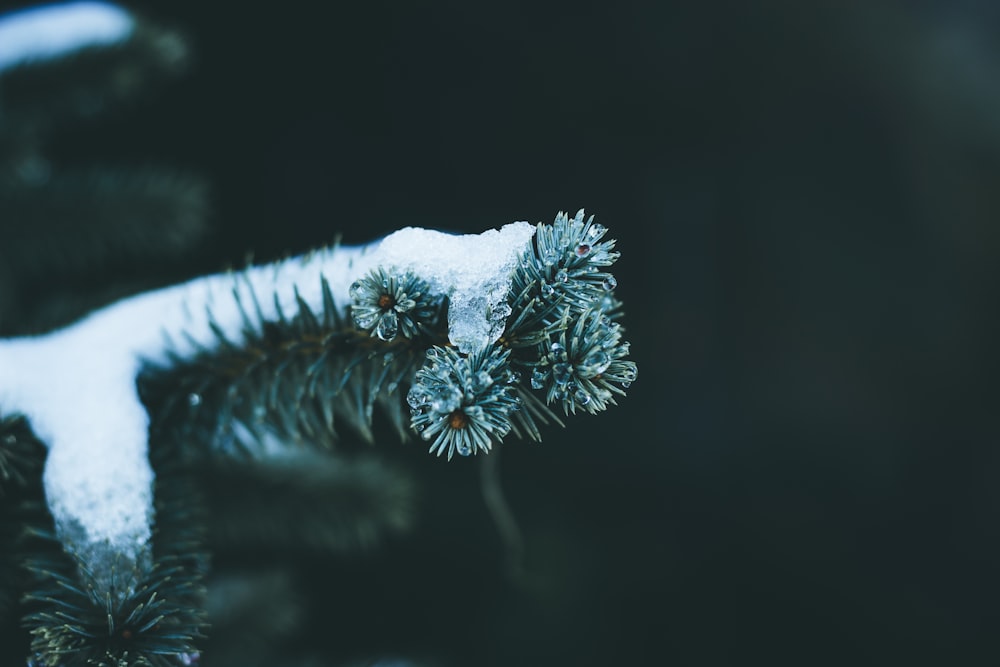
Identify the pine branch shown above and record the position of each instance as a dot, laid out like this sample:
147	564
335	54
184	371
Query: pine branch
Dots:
67	234
287	381
46	90
81	222
21	460
149	614
253	390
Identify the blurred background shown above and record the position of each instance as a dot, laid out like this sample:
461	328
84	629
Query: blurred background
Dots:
806	198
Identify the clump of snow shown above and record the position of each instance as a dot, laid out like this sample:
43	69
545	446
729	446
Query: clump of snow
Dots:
54	30
473	270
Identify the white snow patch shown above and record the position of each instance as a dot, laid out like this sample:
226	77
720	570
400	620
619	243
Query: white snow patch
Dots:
474	270
55	30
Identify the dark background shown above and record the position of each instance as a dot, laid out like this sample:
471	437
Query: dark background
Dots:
806	197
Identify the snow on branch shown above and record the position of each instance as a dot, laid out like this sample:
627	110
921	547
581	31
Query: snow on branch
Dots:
461	339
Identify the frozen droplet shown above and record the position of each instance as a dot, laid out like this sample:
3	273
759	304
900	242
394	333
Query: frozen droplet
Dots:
596	362
548	290
481	381
562	372
582	250
609	282
463	449
194	399
416	397
387	326
558	351
446	401
538	377
513	376
562	276
596	231
629	373
355	291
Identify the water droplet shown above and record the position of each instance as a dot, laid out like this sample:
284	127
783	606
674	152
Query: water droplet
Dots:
481	381
582	250
596	231
426	435
513	376
463	449
562	372
626	384
387	326
548	290
416	397
609	282
558	351
194	399
596	362
538	378
562	276
189	659
581	396
355	290
446	401
629	373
